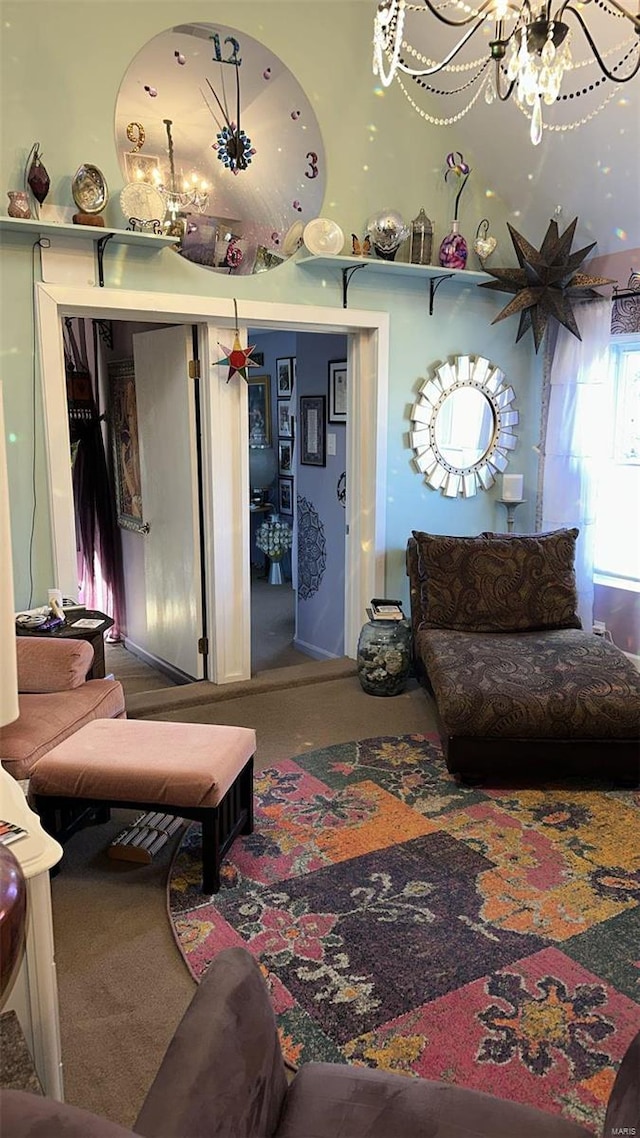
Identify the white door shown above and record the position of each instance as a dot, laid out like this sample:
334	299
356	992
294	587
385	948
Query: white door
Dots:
167	623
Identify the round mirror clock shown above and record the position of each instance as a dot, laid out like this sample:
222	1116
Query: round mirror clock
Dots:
463	426
221	129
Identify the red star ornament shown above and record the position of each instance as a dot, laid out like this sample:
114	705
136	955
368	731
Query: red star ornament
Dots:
237	358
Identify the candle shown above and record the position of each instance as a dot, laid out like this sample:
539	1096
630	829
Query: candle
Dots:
512	487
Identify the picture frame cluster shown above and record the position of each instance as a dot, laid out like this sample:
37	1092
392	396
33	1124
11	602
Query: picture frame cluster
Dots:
285	383
315	411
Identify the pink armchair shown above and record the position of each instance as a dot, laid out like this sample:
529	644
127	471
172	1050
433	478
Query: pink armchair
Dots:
55	700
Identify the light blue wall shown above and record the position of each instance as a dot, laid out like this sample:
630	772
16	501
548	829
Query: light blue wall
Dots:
61	66
321	616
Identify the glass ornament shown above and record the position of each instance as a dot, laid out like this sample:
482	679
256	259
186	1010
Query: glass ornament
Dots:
387	231
36	175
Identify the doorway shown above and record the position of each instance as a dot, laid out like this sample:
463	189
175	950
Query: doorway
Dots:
146	385
303	618
225	446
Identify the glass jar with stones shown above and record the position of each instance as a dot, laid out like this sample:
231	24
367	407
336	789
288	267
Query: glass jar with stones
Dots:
384	656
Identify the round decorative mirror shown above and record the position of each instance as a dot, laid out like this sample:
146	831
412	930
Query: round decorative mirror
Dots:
215	124
463	426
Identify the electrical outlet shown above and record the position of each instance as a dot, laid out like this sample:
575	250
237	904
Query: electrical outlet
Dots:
599	628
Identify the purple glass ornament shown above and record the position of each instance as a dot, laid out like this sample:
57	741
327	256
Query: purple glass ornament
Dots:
453	251
37	177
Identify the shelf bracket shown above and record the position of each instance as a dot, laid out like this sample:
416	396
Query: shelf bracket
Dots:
434	283
100	247
346	281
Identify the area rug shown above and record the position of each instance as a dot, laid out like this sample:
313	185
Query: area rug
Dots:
485	937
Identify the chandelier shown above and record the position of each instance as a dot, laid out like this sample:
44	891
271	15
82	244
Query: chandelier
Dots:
527	55
194	193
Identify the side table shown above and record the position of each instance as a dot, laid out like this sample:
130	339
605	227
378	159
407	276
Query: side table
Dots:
70	630
33	993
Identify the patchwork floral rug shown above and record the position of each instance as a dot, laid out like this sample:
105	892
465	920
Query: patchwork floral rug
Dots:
486	937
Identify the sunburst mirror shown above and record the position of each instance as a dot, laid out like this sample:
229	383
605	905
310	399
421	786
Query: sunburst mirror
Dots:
463	426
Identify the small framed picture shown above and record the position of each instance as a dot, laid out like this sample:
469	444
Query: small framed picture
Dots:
284	376
312	420
285	496
337	391
285	456
285	429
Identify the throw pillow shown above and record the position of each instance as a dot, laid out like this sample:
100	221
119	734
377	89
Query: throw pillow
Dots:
501	583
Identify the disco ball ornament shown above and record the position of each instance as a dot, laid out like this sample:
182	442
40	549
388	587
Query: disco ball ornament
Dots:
387	231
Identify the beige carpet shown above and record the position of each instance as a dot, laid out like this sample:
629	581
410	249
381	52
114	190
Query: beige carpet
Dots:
122	983
272	647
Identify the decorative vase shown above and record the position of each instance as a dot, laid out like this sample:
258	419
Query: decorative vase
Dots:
384	656
18	204
275	572
453	249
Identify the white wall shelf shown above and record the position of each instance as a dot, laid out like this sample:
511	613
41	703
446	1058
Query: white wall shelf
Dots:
99	235
347	266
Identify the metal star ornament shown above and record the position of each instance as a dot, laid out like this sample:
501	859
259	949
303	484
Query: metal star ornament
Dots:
237	358
545	282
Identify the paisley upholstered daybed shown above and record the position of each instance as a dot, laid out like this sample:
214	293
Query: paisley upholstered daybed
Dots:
521	691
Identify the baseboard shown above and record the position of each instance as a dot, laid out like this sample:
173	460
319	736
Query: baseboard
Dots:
315	653
168	670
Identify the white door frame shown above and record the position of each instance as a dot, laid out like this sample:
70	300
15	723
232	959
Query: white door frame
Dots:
225	446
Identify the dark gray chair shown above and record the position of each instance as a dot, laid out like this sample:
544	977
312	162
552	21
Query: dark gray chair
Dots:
223	1077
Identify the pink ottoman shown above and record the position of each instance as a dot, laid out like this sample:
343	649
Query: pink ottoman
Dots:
193	770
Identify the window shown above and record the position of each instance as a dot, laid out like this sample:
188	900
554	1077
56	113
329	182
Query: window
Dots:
617	548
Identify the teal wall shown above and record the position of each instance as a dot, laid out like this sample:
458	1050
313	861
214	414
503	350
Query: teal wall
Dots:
61	66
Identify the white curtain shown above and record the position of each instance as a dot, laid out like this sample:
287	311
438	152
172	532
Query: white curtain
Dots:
575	390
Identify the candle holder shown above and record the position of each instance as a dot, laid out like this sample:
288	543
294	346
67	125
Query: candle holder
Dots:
510	506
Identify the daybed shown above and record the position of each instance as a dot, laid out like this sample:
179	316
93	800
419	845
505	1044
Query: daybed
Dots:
520	689
55	700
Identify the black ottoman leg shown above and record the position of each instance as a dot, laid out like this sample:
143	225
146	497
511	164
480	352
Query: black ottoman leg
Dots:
210	850
246	796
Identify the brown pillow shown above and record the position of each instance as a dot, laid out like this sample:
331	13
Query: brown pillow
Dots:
502	583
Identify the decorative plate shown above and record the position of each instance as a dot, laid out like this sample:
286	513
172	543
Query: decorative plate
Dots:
89	189
293	239
142	201
322	236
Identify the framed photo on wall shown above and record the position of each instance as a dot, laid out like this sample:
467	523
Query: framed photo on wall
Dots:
285	496
285	429
259	410
284	376
285	456
126	450
312	420
337	391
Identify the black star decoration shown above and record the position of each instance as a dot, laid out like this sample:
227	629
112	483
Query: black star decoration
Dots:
546	282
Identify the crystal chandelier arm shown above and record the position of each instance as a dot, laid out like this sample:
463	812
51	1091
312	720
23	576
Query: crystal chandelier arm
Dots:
503	95
480	13
416	72
635	20
600	61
